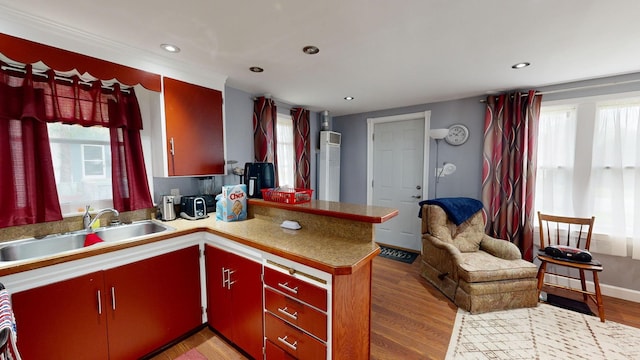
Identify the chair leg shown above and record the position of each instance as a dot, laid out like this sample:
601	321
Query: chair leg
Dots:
541	270
596	284
583	282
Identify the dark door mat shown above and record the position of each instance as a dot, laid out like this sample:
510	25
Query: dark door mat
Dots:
397	254
569	304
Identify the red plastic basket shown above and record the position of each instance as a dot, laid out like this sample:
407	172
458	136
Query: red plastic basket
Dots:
297	196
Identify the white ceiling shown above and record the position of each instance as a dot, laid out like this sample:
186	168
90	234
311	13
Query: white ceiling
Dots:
384	53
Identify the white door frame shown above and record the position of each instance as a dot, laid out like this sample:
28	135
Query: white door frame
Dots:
426	115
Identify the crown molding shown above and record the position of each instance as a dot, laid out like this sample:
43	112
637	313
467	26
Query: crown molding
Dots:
16	23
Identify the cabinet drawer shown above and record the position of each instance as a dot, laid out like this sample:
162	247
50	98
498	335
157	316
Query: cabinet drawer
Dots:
297	313
273	352
296	288
292	340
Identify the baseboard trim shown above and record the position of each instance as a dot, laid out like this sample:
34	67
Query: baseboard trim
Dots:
608	290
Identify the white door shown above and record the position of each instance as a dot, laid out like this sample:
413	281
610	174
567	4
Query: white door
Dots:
398	174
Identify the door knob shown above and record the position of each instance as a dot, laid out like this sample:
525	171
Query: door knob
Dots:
416	196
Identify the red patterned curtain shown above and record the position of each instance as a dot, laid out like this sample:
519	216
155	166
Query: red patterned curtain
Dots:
509	167
301	139
264	128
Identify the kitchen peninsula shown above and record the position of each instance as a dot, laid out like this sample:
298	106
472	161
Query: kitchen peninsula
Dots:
330	255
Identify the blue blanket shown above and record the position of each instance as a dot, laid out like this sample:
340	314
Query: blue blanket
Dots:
459	209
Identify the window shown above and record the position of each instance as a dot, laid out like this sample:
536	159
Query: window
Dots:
589	164
82	166
285	150
93	161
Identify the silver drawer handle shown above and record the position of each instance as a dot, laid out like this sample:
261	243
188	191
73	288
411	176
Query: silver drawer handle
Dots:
286	287
113	298
294	316
99	303
293	346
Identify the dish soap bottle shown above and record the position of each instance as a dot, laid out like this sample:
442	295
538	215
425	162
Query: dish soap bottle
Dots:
86	218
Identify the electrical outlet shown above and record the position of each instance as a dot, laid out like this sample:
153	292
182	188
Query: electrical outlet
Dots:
175	192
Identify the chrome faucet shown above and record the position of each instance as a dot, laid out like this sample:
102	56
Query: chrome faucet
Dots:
102	212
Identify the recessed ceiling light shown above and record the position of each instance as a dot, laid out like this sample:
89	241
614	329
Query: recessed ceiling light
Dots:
520	65
170	48
349	98
256	69
310	50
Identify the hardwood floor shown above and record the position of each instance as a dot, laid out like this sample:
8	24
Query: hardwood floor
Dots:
410	318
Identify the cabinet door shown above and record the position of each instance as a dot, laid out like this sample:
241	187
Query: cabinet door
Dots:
194	129
64	320
152	302
246	287
219	301
234	293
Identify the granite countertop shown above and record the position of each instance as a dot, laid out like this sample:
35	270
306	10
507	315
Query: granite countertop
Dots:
331	253
334	254
355	212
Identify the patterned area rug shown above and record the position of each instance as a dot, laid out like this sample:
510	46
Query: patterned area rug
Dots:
397	254
543	332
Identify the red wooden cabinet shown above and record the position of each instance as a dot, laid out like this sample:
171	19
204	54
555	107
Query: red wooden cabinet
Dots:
295	316
152	302
120	313
273	352
194	124
234	293
65	320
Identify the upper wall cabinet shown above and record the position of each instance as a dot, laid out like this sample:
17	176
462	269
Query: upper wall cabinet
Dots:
194	139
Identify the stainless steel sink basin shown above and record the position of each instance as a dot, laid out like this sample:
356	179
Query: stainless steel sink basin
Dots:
133	230
54	244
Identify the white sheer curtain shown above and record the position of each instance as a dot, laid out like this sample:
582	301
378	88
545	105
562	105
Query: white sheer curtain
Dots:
285	151
589	164
614	192
556	156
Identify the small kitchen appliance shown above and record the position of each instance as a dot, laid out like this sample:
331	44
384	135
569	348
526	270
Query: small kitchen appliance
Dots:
167	208
193	207
258	176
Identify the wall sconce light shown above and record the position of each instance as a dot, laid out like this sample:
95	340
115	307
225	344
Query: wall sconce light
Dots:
437	135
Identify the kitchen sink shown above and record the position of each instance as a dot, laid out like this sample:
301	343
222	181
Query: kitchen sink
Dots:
54	244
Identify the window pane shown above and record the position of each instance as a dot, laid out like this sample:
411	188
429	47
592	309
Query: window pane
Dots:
589	165
285	151
82	166
615	181
556	155
93	152
93	162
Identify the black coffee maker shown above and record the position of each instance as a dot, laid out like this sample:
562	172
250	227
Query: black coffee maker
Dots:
257	176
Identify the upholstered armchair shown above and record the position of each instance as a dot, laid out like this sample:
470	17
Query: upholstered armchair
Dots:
477	272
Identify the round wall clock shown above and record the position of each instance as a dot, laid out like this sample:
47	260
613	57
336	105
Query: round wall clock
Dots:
458	134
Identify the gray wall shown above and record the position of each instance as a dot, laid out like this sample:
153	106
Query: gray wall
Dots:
622	272
238	107
467	157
